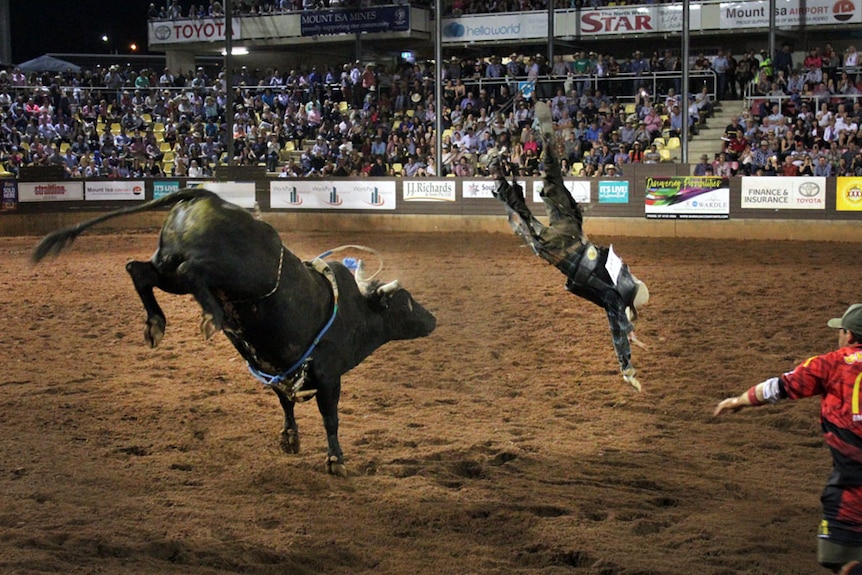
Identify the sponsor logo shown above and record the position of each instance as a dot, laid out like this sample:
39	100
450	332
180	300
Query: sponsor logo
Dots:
853	194
334	199
843	10
454	30
809	189
162	32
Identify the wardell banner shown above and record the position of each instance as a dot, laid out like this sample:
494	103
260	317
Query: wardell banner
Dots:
428	190
203	30
780	193
848	194
735	15
239	193
687	197
114	190
332	195
580	190
50	191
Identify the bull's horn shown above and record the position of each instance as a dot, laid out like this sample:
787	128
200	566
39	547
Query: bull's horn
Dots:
360	272
389	288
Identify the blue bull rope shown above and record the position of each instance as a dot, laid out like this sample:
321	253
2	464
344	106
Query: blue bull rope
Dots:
298	371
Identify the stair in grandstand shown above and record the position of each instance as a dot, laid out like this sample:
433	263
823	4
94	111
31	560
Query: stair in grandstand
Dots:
708	140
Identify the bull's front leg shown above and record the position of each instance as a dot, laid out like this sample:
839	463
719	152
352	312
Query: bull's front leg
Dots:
212	320
145	276
290	432
328	394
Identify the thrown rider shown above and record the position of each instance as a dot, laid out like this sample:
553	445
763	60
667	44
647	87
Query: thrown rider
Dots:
594	273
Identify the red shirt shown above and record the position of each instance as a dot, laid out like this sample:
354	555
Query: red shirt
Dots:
837	377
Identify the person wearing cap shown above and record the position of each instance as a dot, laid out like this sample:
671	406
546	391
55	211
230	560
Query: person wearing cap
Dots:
593	272
835	376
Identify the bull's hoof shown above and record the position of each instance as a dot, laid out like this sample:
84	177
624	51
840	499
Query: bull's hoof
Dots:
289	441
155	330
208	326
334	467
630	378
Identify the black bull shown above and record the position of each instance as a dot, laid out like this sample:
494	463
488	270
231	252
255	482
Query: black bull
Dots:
272	306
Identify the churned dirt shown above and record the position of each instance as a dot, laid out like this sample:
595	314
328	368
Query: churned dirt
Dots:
504	443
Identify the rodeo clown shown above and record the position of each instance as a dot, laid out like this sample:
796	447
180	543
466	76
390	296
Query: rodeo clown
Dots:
594	273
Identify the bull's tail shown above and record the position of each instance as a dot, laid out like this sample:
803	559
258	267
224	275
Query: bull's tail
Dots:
57	241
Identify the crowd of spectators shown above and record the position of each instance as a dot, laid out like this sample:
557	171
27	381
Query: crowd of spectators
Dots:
364	119
351	120
177	10
804	120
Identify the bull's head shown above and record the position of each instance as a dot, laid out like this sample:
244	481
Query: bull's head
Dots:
404	317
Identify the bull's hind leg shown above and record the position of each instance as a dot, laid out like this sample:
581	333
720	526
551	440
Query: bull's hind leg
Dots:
290	432
145	276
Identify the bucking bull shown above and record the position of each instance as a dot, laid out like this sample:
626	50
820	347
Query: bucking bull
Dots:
300	326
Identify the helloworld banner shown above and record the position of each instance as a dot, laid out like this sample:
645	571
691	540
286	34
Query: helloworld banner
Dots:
848	195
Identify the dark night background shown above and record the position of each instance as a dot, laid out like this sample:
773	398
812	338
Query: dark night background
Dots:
42	27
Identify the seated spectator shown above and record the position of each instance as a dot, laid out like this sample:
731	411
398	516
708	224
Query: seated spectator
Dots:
700	167
652	156
704	104
823	168
723	167
463	169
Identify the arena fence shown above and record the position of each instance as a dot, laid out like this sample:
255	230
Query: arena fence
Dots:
660	200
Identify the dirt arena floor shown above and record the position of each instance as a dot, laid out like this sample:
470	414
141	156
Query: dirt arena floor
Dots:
504	443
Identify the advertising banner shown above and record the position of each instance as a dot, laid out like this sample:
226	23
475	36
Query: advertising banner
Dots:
613	192
239	193
580	190
428	190
496	27
65	191
848	195
687	197
480	188
203	30
637	20
332	194
365	20
114	190
164	187
780	193
736	15
9	190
